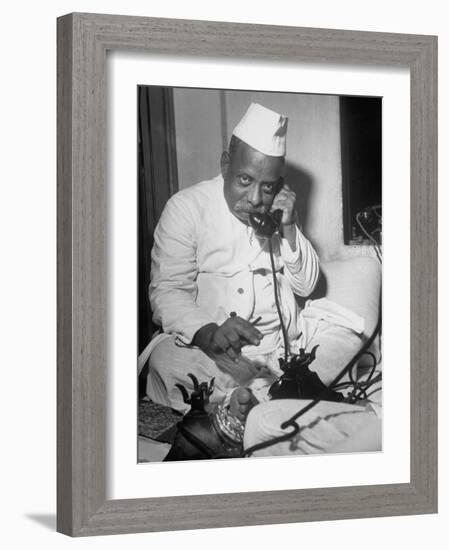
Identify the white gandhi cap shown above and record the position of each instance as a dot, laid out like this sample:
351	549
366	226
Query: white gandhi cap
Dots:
264	130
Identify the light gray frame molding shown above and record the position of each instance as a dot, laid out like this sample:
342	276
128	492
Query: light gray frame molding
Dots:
83	40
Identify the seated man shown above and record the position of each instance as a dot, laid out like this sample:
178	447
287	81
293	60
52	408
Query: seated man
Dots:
212	290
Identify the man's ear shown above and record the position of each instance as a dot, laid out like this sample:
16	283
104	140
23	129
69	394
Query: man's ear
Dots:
224	163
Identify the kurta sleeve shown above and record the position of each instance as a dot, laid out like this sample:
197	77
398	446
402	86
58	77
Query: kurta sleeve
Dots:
173	289
302	267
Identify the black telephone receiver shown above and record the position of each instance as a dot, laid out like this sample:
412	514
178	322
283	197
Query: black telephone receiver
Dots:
266	225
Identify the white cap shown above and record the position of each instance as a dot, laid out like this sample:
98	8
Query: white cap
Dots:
264	130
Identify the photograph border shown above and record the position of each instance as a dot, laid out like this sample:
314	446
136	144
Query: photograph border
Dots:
83	41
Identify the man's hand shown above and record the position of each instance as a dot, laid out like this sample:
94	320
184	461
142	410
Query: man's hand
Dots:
227	338
285	200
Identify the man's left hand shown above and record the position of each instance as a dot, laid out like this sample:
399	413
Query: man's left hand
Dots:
285	200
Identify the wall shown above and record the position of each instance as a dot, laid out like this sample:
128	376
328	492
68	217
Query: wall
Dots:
198	134
28	320
204	123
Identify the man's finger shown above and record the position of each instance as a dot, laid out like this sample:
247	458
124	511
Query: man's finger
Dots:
286	193
287	199
228	342
233	338
244	324
232	354
219	341
248	332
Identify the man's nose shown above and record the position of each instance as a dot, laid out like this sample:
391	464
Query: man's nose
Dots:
255	195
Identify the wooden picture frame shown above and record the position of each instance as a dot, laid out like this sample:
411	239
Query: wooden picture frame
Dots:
83	40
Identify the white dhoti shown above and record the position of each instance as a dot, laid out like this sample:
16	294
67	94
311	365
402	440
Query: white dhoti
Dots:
327	428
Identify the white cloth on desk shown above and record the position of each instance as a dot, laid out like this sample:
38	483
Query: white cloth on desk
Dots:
326	428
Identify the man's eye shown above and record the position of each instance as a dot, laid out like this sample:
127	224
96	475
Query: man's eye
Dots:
244	179
268	188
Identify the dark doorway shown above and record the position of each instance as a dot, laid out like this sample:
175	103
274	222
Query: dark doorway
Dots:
361	151
158	180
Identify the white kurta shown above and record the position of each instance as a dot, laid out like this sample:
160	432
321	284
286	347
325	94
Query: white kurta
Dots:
206	263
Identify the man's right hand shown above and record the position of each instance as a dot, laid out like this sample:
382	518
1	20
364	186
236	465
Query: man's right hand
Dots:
227	338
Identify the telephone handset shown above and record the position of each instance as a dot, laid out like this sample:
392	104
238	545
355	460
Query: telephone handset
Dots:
267	224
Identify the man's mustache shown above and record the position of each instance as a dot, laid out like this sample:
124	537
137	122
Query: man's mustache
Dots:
246	209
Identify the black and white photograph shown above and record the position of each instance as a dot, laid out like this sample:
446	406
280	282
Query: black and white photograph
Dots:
260	235
220	228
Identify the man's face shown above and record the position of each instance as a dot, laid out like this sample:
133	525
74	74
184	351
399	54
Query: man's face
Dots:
251	180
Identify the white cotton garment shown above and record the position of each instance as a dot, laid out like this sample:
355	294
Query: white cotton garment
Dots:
206	264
